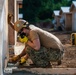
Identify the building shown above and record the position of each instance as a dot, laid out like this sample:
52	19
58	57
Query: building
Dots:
56	19
66	18
7	34
73	10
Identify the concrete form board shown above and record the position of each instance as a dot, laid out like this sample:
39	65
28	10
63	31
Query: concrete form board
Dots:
11	32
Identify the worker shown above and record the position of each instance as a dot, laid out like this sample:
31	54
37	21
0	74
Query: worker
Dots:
41	46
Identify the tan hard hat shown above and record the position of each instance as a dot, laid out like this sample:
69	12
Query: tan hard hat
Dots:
19	24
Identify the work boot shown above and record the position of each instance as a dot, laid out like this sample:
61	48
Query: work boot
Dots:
14	59
59	62
21	62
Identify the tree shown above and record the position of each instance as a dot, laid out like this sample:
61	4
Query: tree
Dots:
36	10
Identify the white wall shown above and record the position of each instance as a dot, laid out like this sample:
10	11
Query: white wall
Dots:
3	33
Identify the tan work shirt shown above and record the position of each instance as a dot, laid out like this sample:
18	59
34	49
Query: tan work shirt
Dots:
47	39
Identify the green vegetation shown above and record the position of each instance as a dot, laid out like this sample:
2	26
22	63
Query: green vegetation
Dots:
41	10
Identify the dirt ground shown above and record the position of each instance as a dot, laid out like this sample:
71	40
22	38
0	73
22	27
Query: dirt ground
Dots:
69	59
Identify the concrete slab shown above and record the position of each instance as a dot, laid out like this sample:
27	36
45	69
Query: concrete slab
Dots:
46	71
59	70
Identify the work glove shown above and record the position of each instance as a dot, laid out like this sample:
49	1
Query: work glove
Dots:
22	61
14	59
23	40
10	18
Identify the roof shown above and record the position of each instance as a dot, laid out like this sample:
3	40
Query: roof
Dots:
74	2
65	9
56	12
73	5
